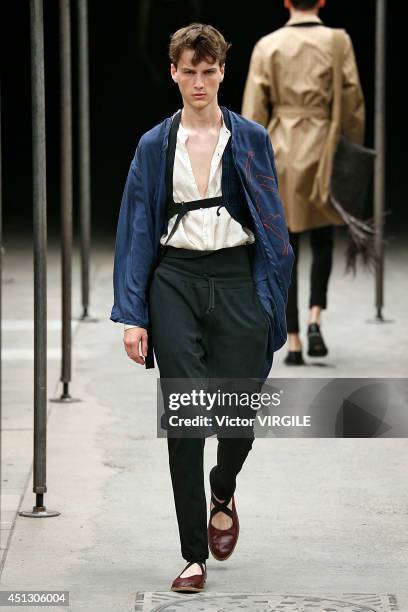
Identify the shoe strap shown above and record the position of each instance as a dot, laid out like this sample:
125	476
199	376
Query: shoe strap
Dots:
190	563
220	507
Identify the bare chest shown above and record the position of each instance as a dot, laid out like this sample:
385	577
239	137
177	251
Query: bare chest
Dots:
200	150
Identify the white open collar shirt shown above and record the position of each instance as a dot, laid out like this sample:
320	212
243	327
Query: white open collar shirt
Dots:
202	229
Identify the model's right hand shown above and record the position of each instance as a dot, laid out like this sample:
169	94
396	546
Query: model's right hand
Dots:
132	339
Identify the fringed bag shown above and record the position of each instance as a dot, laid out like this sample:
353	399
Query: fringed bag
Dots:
344	175
350	179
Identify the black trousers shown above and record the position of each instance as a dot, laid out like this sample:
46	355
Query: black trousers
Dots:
321	242
207	322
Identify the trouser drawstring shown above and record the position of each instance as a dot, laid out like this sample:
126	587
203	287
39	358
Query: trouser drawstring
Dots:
211	287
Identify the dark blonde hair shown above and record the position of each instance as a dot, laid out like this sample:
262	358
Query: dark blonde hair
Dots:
206	42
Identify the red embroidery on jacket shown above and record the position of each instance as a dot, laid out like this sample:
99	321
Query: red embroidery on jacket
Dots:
267	183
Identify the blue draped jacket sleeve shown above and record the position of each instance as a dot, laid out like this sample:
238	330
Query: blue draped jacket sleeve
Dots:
134	251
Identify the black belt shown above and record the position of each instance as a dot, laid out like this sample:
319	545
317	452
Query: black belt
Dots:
181	208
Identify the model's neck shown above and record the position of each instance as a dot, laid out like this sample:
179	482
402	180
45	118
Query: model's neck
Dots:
296	13
201	118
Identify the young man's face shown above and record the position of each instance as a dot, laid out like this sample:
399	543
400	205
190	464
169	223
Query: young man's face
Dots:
198	84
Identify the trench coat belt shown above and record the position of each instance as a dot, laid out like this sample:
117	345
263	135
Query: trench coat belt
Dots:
286	110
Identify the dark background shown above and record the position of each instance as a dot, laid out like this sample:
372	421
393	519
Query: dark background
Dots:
131	89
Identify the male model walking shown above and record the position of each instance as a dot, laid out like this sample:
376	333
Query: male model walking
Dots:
202	267
291	72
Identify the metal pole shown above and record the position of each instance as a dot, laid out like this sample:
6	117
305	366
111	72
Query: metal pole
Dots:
84	155
1	298
66	195
379	140
66	186
40	261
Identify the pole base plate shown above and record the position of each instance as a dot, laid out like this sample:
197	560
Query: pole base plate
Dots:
65	399
39	512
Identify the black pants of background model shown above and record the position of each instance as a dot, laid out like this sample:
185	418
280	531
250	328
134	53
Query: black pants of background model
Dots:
207	322
321	242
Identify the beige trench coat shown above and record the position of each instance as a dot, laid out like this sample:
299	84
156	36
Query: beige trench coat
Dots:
291	73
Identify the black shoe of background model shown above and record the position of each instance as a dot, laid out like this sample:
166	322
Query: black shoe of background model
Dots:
294	358
317	347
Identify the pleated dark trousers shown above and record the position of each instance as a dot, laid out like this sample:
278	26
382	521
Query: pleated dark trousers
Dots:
207	322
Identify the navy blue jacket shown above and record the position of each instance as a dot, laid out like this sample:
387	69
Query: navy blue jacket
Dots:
143	220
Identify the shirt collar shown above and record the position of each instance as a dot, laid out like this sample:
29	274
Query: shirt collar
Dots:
182	134
303	18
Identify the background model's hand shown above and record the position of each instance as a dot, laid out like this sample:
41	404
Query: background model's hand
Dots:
131	339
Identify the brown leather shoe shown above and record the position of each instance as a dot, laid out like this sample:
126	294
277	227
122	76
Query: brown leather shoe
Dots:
223	541
192	584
